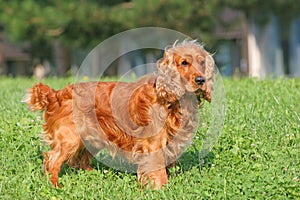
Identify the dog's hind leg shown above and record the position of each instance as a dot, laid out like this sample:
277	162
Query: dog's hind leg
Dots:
81	160
64	145
52	163
85	160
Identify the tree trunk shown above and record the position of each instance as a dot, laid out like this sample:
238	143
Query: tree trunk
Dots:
294	56
61	58
265	55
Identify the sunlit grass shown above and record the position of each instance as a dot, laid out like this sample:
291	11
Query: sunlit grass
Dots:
257	156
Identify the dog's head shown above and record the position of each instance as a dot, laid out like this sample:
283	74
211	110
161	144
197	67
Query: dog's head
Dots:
185	67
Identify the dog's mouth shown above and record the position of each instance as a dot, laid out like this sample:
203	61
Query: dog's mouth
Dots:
202	94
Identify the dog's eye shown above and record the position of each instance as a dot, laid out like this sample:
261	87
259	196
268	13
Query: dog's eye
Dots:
184	63
202	63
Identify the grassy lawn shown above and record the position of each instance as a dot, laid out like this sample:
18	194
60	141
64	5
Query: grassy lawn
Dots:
256	157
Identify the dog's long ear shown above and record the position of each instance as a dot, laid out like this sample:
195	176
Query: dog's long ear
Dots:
210	77
169	86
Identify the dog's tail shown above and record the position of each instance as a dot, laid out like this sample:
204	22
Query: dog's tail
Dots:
39	97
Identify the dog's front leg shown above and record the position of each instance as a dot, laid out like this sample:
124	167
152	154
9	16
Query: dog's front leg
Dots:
153	170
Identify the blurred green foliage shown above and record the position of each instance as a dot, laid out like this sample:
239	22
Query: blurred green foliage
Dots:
86	23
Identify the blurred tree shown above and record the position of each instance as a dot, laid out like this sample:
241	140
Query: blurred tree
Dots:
194	18
54	26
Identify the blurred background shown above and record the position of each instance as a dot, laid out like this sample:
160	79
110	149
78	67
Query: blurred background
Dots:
52	37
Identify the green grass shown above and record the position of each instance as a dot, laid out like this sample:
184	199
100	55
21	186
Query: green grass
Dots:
256	157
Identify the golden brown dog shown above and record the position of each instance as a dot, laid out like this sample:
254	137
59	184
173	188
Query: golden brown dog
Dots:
150	121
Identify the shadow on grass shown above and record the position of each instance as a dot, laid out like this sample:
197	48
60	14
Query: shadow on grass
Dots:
191	159
185	163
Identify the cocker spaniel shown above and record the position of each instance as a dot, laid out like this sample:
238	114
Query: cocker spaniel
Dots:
150	121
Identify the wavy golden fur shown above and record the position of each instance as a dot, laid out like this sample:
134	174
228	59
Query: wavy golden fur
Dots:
150	121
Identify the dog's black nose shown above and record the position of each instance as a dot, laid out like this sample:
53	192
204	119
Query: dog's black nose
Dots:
200	80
